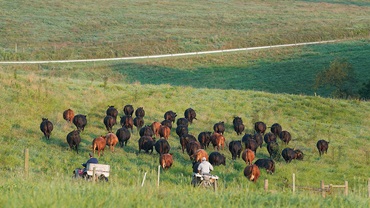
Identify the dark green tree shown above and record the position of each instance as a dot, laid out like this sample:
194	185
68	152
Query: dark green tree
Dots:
364	92
340	76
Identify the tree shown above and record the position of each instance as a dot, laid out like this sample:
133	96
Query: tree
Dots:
340	75
365	91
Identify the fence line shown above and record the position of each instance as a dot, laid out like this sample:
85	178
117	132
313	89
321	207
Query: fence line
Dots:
169	55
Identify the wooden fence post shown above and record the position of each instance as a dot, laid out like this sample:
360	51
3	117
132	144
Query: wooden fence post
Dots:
142	184
293	183
346	188
26	159
93	176
159	173
322	185
266	185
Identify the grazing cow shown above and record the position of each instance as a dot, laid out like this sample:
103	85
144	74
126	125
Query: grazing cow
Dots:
99	144
276	129
170	115
274	150
259	139
46	127
204	138
192	147
219	127
218	141
235	147
182	121
322	146
182	130
185	139
80	121
123	135
138	122
216	158
269	137
248	156
109	122
68	115
268	164
128	110
146	143
238	125
127	121
112	111
291	154
167	123
199	154
166	161
164	131
190	115
162	146
285	137
252	172
140	112
146	131
112	141
74	139
260	127
155	127
251	144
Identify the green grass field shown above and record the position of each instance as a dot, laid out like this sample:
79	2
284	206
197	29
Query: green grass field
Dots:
272	85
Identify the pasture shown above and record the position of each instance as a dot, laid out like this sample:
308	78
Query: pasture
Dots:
273	86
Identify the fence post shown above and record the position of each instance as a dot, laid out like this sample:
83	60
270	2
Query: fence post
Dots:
293	183
142	184
159	173
26	158
346	188
93	176
322	185
266	185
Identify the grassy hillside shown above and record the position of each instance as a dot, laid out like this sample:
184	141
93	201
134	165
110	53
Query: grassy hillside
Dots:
27	97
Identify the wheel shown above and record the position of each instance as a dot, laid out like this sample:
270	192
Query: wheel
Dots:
103	178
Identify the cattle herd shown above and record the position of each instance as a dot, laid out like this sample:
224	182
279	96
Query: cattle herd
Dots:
156	135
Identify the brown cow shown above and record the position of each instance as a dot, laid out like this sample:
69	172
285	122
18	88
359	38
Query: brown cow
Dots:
199	154
166	161
252	172
322	146
99	144
46	127
164	131
155	127
248	156
68	115
218	141
112	140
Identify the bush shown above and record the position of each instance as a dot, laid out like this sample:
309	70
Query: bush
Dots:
364	92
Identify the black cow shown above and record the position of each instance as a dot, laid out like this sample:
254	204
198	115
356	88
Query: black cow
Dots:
291	154
195	166
259	139
185	139
251	144
74	139
170	115
276	129
268	164
260	127
182	130
112	111
138	122
204	138
216	158
192	147
127	121
238	125
140	112
182	121
146	143
80	121
146	131
167	123
322	146
269	137
274	150
109	122
219	127
123	135
162	146
235	147
46	127
190	115
285	137
128	110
